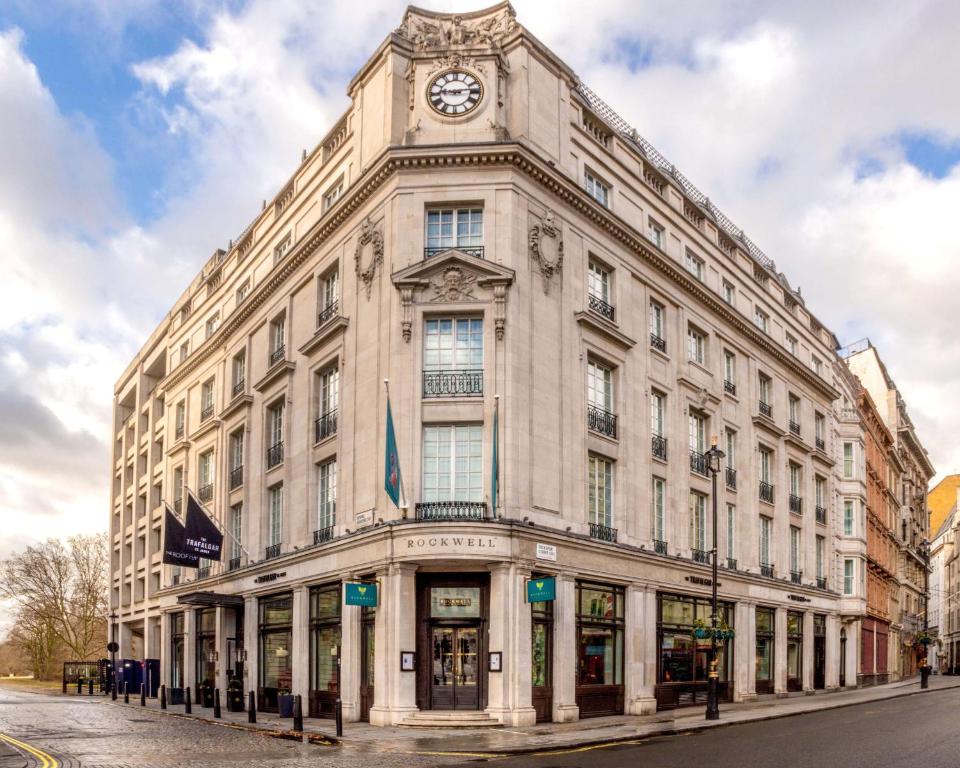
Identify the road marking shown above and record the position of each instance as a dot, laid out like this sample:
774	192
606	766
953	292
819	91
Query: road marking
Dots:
545	753
46	761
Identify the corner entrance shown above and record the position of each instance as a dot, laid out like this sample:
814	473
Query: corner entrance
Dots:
452	622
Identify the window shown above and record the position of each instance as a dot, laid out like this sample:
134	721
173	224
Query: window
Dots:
764	390
452	344
600	627
238	373
281	250
817	365
205	472
184	351
452	463
848	576
731	447
657	330
796	480
820	491
697	432
696	345
794	550
793	406
819	429
599	386
206	399
848	517
766	524
821	543
848	466
598	282
329	390
327	495
333	193
698	523
329	292
658	507
180	419
236	458
658	403
600	491
178	488
236	531
766	464
275	515
243	291
731	532
211	326
761	319
277	340
694	265
275	435
597	189
655	234
454	228
791	344
729	292
729	371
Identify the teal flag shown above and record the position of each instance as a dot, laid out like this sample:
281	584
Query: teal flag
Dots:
391	479
495	468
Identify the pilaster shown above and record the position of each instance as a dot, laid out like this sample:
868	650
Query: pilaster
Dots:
396	631
300	645
640	668
565	707
780	652
744	644
806	670
251	642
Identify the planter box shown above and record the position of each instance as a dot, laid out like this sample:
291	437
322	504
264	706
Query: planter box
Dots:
206	697
235	702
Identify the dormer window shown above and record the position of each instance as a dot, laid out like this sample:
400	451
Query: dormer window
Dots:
597	189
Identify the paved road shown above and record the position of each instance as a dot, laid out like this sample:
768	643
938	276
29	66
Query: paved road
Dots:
910	732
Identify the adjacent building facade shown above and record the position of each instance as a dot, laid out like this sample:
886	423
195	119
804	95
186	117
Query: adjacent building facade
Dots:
944	653
486	234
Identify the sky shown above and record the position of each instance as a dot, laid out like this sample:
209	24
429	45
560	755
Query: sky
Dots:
137	136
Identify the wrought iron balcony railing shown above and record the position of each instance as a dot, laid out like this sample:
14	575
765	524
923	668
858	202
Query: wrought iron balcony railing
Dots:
766	569
236	477
731	476
698	463
700	555
238	387
453	383
179	432
766	492
274	455
659	447
207	412
729	386
731	564
205	492
471	250
658	343
272	551
233	563
794	427
765	409
323	534
822	515
659	546
328	312
326	425
822	582
603	533
796	504
601	307
821	445
796	576
451	510
278	354
599	420
203	572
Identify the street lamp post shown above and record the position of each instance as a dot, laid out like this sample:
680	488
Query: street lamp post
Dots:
714	457
113	654
925	667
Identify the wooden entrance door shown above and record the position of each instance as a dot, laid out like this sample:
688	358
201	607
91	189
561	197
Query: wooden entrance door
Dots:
819	662
367	655
455	667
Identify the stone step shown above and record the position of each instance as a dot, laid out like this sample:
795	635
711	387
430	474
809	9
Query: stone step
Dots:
450	719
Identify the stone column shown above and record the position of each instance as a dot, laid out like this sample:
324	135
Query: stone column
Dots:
780	652
744	652
395	693
806	670
300	645
251	644
640	628
350	662
565	707
832	653
509	691
223	657
190	650
166	642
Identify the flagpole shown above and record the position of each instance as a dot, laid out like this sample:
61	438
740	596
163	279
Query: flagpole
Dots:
496	454
403	496
217	523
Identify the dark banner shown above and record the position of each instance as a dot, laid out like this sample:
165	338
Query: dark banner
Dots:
174	535
203	538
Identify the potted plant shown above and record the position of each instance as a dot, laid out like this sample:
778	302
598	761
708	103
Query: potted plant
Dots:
206	694
924	639
285	703
703	631
235	695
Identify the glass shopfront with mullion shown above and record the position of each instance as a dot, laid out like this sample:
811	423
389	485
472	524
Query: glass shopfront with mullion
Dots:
684	659
206	622
276	640
368	628
542	659
794	651
177	623
765	647
325	627
600	625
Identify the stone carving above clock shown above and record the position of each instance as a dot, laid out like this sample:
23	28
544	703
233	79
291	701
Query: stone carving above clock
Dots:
431	31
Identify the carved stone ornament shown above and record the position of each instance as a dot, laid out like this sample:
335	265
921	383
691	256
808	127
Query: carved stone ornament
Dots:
371	239
453	284
438	31
546	247
456	61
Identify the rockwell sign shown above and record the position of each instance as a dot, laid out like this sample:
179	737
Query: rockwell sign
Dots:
459	544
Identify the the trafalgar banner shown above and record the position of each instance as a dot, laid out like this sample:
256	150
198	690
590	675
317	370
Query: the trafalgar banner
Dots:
202	537
174	552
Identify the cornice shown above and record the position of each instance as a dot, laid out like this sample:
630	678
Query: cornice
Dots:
276	372
604	328
768	424
328	330
516	155
240	401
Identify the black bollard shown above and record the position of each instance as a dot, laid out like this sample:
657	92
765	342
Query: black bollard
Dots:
297	713
163	697
126	692
79	686
188	701
216	703
143	695
90	687
252	709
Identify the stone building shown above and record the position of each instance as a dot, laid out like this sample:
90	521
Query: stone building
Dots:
944	654
480	229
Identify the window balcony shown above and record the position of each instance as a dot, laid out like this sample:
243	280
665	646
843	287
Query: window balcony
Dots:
175	580
822	515
236	477
603	533
796	504
766	492
766	410
821	582
271	552
205	492
239	386
604	422
731	477
471	250
204	572
178	434
658	343
326	425
328	313
451	510
233	563
795	428
278	354
323	534
698	463
275	455
453	383
700	556
796	576
660	547
731	564
766	569
207	412
601	307
659	447
729	386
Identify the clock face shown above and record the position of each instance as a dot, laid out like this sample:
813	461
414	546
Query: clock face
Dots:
455	92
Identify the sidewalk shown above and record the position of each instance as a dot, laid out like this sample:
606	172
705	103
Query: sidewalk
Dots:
550	736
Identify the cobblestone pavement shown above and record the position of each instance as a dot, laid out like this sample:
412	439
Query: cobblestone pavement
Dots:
97	734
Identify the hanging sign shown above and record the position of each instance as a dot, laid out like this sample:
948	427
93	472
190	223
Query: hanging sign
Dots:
360	594
542	590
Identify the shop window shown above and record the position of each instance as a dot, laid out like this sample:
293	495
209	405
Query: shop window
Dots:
600	649
765	639
276	640
324	649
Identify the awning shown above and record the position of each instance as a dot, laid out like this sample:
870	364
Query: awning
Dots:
211	599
